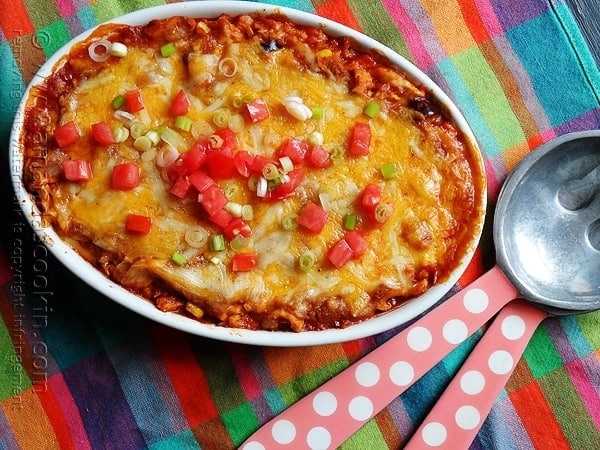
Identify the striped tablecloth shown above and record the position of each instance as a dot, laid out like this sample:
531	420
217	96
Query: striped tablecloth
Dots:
78	371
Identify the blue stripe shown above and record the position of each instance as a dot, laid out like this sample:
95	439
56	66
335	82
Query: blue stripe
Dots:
87	17
104	411
185	440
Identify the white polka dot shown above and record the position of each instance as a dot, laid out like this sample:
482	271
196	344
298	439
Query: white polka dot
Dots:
324	404
254	446
476	301
402	373
283	432
360	408
467	417
367	374
500	362
472	382
513	327
455	331
318	438
419	339
434	434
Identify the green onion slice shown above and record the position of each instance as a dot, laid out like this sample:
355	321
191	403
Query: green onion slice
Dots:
167	49
388	171
306	261
217	243
372	109
178	258
350	221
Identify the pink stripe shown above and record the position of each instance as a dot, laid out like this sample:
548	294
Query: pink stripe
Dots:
585	387
69	408
247	378
65	7
488	17
410	32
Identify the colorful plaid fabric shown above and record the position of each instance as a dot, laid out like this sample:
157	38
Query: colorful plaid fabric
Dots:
78	371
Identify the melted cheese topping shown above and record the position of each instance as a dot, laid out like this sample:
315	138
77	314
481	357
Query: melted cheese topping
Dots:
436	192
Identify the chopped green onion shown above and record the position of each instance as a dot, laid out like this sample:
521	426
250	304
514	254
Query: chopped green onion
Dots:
196	237
337	153
261	187
183	123
383	211
142	144
372	109
154	136
317	112
118	101
221	118
350	221
172	137
270	172
253	182
238	243
167	49
233	208
201	128
231	190
286	164
137	129
236	123
247	98
217	243
237	100
247	212
289	223
120	133
315	138
194	310
306	262
118	49
178	258
388	171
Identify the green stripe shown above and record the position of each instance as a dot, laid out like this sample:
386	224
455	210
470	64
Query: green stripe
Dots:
590	324
541	355
183	440
13	378
53	37
240	422
297	388
566	404
378	24
489	97
369	436
40	17
110	9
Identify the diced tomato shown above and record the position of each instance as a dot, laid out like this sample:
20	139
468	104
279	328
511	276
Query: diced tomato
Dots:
230	142
213	199
237	226
221	218
66	134
286	189
220	165
133	100
243	162
313	217
319	157
201	181
181	187
195	156
340	253
138	224
243	262
255	111
103	134
181	104
176	169
293	148
360	139
371	196
357	243
125	176
77	170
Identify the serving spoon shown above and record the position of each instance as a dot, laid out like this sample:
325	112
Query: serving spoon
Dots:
547	253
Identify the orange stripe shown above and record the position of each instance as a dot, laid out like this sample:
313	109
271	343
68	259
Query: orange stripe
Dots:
339	11
186	375
473	20
24	409
538	419
449	25
16	23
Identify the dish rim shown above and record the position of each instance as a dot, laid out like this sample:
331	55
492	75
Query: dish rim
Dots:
115	292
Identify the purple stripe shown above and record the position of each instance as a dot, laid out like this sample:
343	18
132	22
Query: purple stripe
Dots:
7	438
104	410
563	347
423	22
512	13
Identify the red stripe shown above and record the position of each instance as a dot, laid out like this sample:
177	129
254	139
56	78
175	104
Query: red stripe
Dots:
339	11
245	374
5	272
538	419
55	415
473	20
16	23
187	377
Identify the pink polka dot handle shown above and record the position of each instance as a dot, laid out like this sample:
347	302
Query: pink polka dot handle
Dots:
328	416
459	413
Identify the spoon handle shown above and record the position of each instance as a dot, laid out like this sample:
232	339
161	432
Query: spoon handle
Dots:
460	411
330	415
